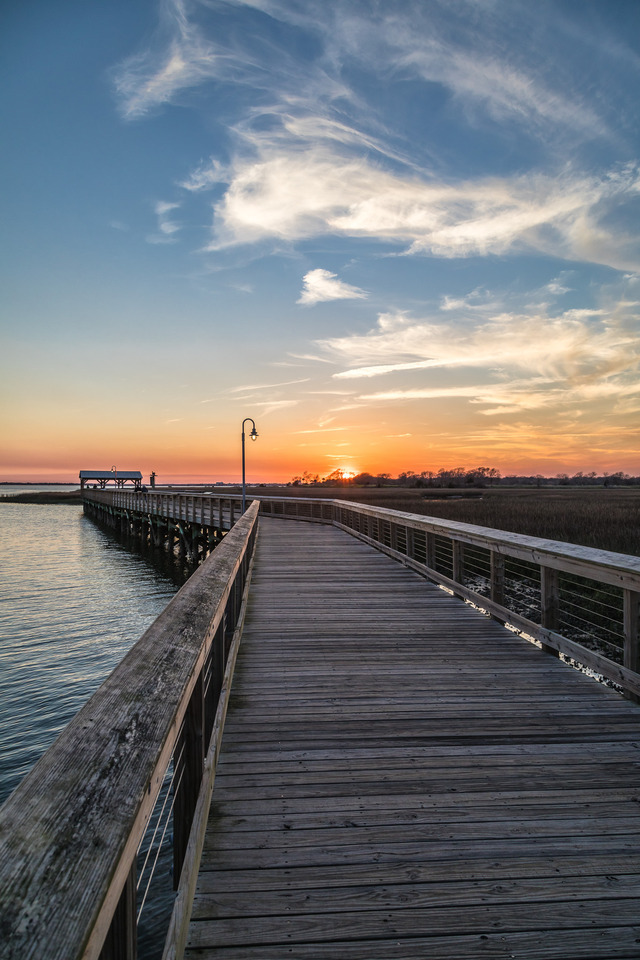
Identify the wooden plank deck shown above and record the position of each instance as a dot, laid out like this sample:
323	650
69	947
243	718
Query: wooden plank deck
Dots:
401	777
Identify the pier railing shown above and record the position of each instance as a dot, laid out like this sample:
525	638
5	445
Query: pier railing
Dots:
207	509
575	601
70	833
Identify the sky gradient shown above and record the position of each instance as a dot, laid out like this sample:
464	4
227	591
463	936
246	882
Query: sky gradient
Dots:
399	235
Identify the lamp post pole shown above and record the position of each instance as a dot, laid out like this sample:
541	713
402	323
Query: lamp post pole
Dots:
253	436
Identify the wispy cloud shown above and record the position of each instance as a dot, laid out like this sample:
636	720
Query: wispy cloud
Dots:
480	71
311	157
180	56
522	361
292	196
247	388
270	406
167	228
309	356
322	285
324	430
576	345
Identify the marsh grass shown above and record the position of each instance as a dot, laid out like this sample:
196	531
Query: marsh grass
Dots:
607	519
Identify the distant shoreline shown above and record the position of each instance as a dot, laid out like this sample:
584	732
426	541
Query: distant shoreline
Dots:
43	496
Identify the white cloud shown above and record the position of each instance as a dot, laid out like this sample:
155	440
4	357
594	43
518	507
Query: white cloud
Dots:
321	285
509	398
504	363
206	176
578	345
297	194
311	157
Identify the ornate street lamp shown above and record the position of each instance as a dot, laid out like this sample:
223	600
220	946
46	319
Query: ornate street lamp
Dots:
253	436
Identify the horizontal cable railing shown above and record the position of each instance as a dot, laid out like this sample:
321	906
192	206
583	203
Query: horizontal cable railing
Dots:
70	833
577	601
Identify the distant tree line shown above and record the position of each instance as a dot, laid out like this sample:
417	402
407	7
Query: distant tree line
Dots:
461	477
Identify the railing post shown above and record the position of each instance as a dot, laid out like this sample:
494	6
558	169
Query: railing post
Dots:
497	581
457	552
430	550
631	604
549	602
393	535
411	545
190	751
497	578
121	942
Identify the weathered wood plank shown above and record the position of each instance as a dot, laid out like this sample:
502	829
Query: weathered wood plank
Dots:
386	924
570	944
408	873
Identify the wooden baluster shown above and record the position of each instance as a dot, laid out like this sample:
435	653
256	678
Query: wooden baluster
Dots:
497	577
631	604
549	602
430	550
191	746
121	940
393	535
457	558
411	545
497	581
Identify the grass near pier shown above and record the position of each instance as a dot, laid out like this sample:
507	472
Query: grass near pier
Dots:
43	496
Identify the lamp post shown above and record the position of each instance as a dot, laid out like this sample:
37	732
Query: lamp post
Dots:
254	436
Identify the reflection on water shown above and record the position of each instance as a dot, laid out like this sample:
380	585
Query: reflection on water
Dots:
73	600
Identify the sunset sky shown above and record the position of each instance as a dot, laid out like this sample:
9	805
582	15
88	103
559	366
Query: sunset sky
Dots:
398	234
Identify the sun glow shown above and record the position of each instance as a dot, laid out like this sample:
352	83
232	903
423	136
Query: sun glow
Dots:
348	473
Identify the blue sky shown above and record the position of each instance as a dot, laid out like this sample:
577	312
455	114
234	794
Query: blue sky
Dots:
400	235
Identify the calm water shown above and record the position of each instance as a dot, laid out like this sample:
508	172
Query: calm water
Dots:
72	602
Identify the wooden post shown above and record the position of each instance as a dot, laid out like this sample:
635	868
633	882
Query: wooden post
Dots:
497	578
121	940
218	661
631	602
457	553
393	535
549	602
430	550
411	547
190	750
497	581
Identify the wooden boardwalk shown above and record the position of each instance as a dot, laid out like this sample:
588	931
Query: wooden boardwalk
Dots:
402	777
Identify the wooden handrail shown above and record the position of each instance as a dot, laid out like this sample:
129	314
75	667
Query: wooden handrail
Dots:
69	833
